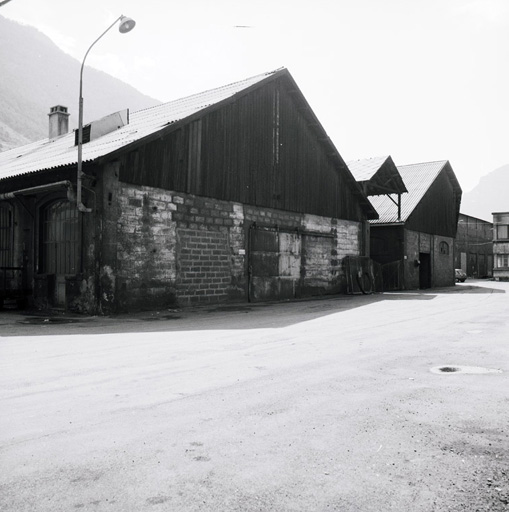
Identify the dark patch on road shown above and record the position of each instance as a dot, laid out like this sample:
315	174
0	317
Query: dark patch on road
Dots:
161	317
219	309
48	320
157	500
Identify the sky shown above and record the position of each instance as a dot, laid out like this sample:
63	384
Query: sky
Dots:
420	80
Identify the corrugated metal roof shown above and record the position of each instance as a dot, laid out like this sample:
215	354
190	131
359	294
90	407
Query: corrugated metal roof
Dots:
366	168
417	178
61	151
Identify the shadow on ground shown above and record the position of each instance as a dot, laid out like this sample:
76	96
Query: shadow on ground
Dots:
265	315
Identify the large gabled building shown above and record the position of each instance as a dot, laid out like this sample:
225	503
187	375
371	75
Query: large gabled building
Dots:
232	194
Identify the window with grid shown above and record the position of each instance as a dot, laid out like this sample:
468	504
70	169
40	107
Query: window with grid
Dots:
6	236
59	238
503	260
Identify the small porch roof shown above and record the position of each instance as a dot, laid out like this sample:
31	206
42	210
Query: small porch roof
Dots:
377	176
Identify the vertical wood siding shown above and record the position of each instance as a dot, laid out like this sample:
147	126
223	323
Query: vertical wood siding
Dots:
259	149
438	211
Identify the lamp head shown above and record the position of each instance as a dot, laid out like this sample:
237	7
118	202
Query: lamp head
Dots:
126	24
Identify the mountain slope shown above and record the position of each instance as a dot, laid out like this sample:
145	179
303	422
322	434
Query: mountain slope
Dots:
490	195
37	75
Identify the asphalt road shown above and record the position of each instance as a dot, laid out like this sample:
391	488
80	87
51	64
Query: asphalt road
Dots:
322	405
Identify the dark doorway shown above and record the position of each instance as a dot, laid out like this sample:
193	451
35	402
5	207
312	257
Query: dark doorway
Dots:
424	270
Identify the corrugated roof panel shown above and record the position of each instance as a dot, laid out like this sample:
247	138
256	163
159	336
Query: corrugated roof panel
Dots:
366	168
48	154
417	178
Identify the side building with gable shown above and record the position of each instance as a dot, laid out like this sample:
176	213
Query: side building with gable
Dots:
234	194
413	238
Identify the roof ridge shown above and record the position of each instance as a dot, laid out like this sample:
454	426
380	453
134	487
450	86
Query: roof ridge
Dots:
203	93
424	163
369	158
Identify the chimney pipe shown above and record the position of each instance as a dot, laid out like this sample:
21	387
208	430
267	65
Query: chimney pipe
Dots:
58	121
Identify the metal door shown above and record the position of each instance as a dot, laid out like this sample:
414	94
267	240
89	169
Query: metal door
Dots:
59	247
274	263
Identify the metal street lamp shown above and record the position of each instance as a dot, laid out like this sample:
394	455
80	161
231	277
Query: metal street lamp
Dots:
126	25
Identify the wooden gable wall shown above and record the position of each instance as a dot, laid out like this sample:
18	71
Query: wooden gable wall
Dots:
438	211
259	149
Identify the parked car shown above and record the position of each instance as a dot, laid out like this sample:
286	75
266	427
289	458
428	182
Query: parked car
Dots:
460	275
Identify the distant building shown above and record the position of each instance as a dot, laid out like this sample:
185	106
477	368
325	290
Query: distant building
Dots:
473	247
501	246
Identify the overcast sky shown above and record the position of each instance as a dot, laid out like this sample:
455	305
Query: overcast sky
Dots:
421	80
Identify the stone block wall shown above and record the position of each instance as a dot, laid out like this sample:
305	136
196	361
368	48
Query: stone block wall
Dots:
443	262
442	265
175	248
146	248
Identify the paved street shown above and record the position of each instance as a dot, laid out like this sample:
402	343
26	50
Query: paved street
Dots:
320	405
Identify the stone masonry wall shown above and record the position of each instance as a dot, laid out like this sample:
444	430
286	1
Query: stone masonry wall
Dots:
175	248
146	243
442	265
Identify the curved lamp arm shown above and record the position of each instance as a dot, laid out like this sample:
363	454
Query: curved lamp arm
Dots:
126	25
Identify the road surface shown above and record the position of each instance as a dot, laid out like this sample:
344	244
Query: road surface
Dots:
320	405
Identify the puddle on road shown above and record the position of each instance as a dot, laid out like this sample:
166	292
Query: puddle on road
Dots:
475	370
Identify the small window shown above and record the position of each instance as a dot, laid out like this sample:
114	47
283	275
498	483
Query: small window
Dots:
503	260
503	232
444	248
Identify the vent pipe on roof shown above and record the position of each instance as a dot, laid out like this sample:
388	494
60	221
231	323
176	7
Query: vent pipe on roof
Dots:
58	121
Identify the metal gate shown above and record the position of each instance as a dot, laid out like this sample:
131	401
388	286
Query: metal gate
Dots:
392	276
12	282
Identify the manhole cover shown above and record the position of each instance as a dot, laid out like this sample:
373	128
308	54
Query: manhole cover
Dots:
464	369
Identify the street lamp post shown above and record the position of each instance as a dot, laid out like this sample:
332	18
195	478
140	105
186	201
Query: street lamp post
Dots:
126	25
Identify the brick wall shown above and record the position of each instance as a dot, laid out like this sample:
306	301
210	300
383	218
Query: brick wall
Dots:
204	269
